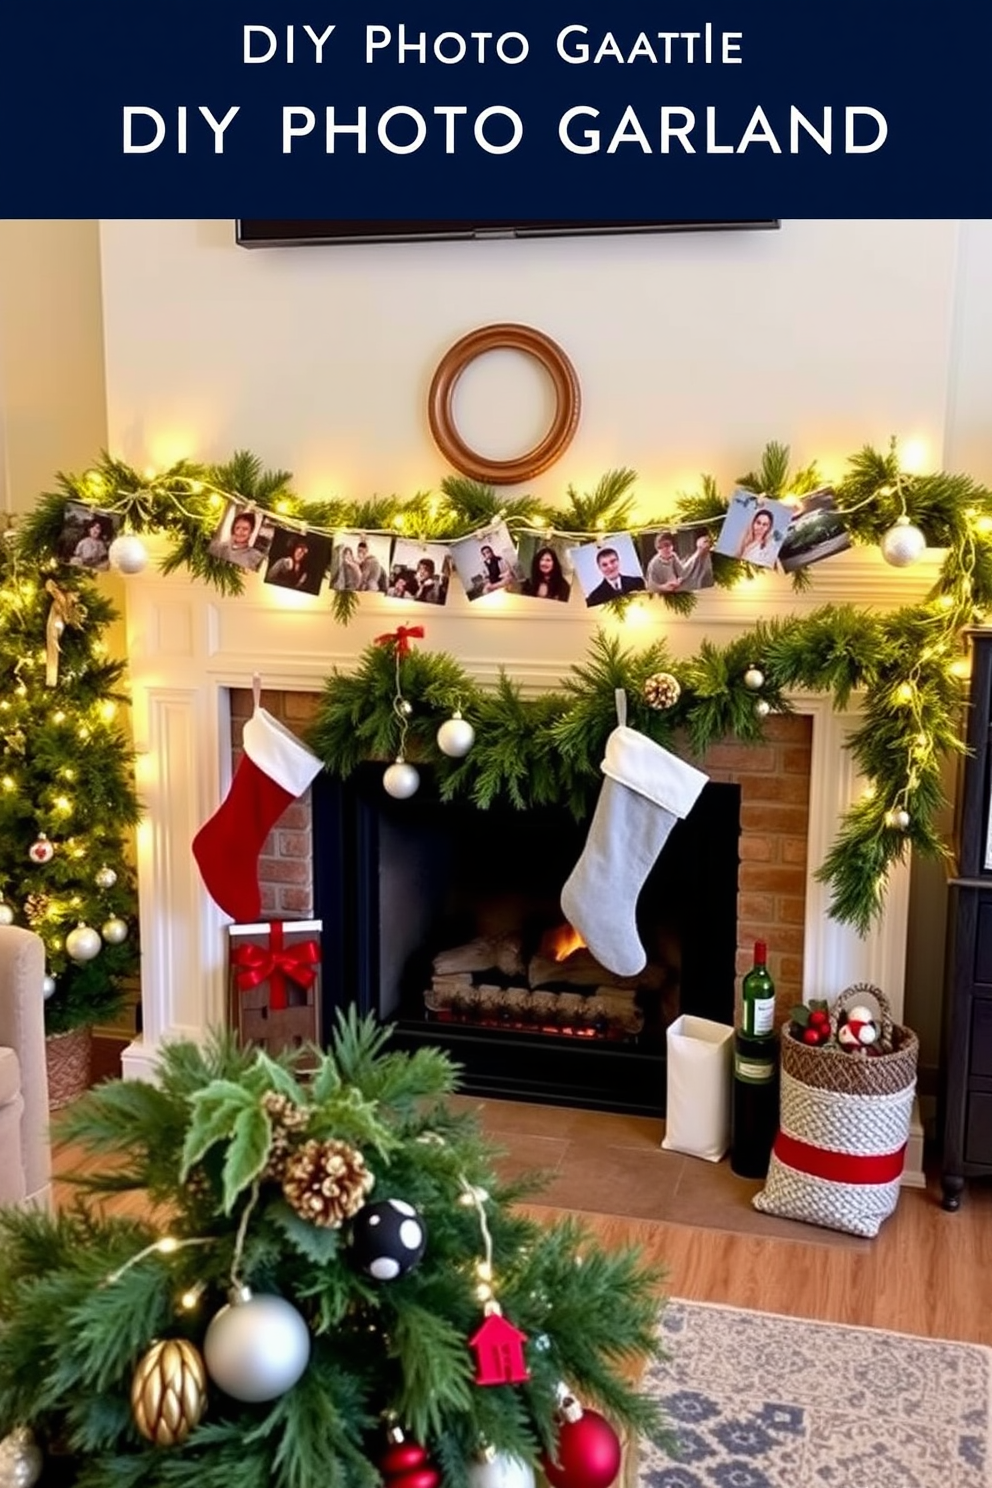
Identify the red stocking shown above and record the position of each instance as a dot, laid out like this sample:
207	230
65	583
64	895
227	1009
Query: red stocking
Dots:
274	770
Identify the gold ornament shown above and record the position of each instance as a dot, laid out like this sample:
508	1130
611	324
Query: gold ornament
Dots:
20	1459
662	690
169	1391
326	1182
287	1121
66	610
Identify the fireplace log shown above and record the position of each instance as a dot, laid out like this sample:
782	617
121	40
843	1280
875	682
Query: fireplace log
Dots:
581	969
502	953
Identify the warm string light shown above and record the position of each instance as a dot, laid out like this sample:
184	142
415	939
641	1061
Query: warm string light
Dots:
165	1245
474	1197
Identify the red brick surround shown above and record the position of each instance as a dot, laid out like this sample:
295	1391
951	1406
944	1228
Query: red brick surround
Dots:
774	777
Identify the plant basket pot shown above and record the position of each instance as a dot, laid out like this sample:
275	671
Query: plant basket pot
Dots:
68	1056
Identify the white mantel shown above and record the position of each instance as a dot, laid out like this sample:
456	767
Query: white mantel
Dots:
188	646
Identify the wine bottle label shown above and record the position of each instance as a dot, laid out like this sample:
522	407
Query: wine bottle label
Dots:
754	1071
759	1016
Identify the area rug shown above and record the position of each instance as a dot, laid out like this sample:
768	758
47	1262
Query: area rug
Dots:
760	1401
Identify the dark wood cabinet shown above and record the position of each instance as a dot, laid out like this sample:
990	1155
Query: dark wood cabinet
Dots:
966	1086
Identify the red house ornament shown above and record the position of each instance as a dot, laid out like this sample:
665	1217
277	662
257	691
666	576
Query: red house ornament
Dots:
499	1350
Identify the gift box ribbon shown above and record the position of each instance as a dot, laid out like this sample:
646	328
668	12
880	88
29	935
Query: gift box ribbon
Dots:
274	963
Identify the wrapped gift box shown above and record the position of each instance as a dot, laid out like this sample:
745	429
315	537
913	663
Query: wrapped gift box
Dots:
275	983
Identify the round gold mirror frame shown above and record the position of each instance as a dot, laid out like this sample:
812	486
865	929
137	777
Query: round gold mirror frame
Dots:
563	425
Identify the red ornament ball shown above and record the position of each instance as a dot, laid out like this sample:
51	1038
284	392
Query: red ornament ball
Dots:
401	1456
417	1477
588	1454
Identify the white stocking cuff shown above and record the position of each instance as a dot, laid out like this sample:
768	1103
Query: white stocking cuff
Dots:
638	762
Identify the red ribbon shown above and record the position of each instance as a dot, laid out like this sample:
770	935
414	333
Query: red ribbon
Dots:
838	1167
401	638
257	964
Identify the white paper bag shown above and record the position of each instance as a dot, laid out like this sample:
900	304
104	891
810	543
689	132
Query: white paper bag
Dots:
697	1119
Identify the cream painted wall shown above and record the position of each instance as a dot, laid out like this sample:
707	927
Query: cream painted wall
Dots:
52	390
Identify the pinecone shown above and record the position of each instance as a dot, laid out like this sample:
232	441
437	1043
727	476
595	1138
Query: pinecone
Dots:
662	690
35	906
326	1182
287	1120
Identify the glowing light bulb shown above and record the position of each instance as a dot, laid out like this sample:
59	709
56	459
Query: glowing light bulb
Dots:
284	507
58	716
904	692
961	667
108	710
167	1245
8	783
63	804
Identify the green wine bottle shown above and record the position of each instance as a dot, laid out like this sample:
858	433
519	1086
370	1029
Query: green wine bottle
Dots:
758	993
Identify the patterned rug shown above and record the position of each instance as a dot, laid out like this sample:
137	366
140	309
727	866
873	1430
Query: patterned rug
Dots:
759	1401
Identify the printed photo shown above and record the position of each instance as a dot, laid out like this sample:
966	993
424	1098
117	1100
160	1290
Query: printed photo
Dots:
677	559
86	535
298	560
487	561
236	539
360	561
546	566
607	569
753	529
420	571
816	531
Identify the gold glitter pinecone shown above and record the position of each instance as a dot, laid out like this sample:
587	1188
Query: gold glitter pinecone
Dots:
288	1121
326	1182
662	690
169	1391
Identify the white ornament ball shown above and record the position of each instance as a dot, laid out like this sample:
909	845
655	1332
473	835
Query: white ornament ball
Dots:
83	943
6	913
903	544
114	931
41	851
898	818
762	707
127	554
47	986
20	1459
861	1014
501	1471
754	678
456	736
105	877
257	1348
401	780
867	1033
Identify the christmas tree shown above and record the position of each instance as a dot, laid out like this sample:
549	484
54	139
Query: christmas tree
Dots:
67	797
332	1289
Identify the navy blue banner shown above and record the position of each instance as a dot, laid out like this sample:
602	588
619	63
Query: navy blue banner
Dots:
554	110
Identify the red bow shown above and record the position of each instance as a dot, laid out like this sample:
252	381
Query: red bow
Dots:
401	637
257	964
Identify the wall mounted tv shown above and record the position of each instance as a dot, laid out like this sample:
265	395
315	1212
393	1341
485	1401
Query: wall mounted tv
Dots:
280	233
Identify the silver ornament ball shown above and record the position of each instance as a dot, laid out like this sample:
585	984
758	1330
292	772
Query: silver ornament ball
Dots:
6	913
762	707
903	544
47	986
20	1459
114	930
83	943
754	678
127	554
401	780
500	1471
256	1348
898	817
456	736
105	877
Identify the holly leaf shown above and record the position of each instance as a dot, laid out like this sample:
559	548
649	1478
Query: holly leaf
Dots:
215	1113
799	1015
318	1243
269	1074
247	1154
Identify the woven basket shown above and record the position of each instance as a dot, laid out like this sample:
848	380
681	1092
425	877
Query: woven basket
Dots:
843	1126
68	1056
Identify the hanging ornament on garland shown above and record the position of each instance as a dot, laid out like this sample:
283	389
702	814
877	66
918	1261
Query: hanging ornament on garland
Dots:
662	690
20	1459
498	1345
256	1348
6	913
105	877
83	943
497	1470
47	986
762	708
400	779
903	543
387	1239
169	1391
456	736
406	1464
41	850
588	1451
65	610
114	931
898	817
127	554
754	678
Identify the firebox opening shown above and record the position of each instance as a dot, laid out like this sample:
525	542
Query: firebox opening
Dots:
449	925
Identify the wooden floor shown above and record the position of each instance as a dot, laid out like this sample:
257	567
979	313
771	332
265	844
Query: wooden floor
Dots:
928	1272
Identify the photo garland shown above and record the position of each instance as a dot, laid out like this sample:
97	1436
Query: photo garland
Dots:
907	665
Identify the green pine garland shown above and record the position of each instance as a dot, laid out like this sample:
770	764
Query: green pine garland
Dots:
78	1309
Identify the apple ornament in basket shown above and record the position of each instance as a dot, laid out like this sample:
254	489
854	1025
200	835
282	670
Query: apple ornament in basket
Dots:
810	1023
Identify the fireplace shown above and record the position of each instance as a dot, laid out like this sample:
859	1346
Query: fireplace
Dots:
445	921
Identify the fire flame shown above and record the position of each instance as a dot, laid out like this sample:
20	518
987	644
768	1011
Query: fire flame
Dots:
562	941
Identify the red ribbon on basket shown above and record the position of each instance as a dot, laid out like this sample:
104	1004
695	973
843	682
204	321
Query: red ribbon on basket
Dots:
839	1167
401	638
274	963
